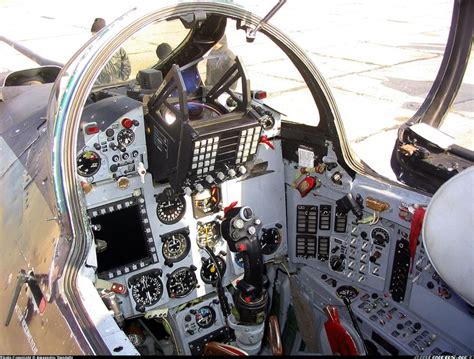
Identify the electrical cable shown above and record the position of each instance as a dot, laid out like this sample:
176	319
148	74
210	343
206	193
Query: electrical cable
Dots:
170	330
347	302
225	308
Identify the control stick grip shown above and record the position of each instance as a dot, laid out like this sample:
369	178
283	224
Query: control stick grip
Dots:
252	283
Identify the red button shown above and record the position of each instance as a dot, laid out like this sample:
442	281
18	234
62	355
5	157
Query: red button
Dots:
127	123
242	247
90	130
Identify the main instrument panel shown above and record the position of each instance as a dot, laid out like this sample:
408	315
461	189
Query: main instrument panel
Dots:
152	237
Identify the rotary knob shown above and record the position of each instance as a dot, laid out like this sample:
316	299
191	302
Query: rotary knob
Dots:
220	176
209	179
199	187
231	173
336	264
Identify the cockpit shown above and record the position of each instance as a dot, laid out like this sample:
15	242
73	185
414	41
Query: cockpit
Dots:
223	220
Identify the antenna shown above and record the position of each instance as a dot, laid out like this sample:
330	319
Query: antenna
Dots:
252	32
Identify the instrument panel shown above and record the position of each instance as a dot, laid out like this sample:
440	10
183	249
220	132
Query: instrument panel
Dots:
172	230
112	144
154	240
401	304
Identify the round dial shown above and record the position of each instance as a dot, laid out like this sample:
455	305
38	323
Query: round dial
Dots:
270	240
88	163
347	291
239	259
181	282
205	316
209	273
207	234
170	211
126	137
380	236
146	289
175	247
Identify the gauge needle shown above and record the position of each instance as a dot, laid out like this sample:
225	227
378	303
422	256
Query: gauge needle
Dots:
148	296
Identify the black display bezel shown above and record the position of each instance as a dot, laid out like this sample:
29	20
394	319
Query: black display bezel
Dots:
147	235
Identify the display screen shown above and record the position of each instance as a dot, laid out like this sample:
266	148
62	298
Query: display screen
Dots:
124	234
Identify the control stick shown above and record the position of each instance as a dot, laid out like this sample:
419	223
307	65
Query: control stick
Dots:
240	229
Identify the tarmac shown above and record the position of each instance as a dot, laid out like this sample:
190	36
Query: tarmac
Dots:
378	57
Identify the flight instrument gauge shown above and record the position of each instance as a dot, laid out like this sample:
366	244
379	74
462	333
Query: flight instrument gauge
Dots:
207	234
170	209
146	289
205	317
181	282
209	272
270	240
176	246
88	163
126	137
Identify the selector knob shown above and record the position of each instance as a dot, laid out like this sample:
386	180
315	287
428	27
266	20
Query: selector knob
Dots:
231	173
220	176
373	258
336	264
199	187
242	170
209	179
113	146
188	191
110	132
